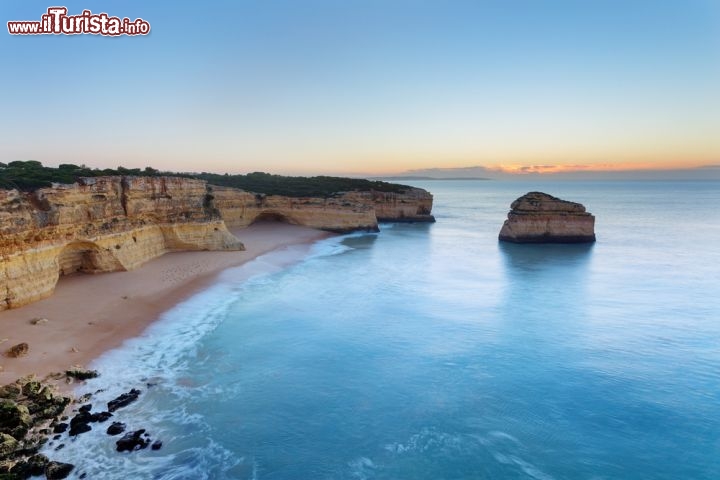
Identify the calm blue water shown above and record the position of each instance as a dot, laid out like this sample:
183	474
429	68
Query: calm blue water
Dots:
433	352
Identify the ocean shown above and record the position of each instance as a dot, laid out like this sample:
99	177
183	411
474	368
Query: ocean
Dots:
431	351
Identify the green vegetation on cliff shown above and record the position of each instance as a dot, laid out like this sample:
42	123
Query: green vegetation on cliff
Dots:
31	174
322	186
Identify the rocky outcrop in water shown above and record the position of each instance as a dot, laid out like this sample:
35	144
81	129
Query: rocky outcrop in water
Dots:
132	441
80	423
58	470
537	217
116	428
123	400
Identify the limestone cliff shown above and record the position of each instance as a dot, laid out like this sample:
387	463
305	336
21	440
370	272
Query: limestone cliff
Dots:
537	217
105	224
413	205
344	212
101	224
240	209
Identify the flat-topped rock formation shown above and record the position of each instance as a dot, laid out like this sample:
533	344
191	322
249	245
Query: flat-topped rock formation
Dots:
537	217
117	223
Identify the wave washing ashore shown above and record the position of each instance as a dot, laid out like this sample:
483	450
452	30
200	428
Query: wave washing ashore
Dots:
83	314
433	351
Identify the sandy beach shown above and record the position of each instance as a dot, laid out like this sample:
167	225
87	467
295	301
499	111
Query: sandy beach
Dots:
90	314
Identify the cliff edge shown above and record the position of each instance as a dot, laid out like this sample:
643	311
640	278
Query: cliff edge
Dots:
100	224
117	223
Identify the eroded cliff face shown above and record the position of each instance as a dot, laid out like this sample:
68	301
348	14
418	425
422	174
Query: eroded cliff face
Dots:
101	224
413	205
107	224
344	212
537	217
240	209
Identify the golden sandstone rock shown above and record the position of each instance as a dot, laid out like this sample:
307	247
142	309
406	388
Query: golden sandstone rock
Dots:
537	217
101	224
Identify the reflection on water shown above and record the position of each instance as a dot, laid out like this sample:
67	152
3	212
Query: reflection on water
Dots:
545	278
360	241
533	258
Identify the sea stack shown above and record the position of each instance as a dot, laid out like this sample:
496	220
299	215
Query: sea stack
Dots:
537	217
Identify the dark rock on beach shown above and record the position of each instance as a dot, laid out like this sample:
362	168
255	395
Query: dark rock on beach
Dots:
132	441
82	374
101	416
32	467
15	419
60	427
79	428
80	418
19	350
123	400
58	470
537	217
80	422
8	444
116	428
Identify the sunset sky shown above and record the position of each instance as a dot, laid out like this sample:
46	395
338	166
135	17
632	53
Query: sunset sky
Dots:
369	86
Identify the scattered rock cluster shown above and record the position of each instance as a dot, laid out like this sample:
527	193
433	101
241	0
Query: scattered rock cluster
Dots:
131	441
31	411
80	423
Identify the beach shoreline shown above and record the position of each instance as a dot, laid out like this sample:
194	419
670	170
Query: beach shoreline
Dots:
89	315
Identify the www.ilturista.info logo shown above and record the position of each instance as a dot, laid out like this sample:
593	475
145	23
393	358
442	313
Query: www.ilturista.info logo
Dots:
57	22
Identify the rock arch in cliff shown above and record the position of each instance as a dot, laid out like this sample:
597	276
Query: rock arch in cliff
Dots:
273	216
86	257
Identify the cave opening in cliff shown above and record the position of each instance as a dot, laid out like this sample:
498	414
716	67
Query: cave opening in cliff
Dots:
86	257
272	217
77	257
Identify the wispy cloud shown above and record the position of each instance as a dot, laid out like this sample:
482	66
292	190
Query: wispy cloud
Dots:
525	169
572	172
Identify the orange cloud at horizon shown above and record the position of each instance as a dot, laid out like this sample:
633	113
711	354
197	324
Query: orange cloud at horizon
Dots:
604	167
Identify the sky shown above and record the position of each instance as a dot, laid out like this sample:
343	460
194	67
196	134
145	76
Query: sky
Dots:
369	87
